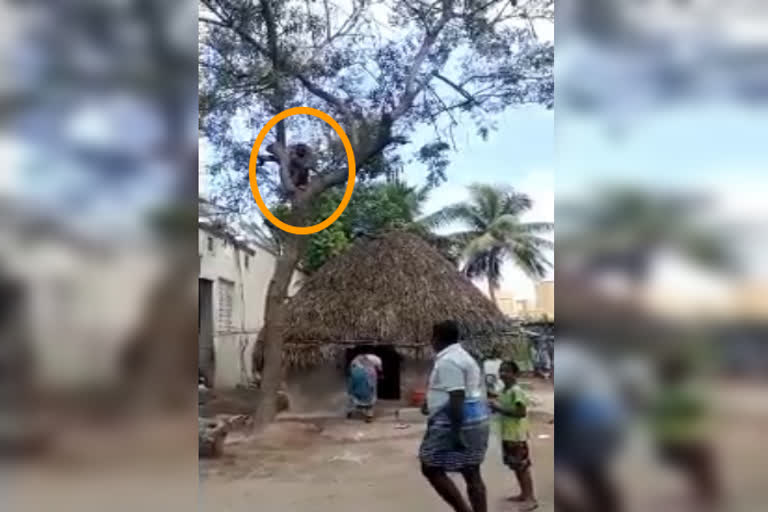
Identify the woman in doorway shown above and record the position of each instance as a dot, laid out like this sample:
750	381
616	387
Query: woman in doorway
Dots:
362	385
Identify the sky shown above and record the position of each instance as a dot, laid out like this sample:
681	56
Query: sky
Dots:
689	145
520	153
92	196
712	148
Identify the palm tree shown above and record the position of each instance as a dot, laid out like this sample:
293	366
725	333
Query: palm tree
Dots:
494	233
622	228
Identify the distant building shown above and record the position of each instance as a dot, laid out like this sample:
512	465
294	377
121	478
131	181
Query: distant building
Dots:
542	308
545	298
233	280
506	303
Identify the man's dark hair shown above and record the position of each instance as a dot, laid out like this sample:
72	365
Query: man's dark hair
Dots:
511	365
446	332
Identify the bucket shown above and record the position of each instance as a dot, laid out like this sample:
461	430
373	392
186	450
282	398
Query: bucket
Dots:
418	397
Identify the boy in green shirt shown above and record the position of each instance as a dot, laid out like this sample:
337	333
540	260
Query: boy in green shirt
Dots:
681	426
511	405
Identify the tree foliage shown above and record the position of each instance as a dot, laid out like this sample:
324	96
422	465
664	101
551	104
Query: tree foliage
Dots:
374	207
379	68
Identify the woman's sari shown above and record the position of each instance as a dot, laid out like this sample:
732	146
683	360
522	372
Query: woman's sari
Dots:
361	386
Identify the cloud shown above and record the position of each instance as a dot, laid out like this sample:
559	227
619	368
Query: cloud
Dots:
540	185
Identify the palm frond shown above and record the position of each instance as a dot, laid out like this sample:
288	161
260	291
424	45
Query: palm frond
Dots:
528	239
479	245
530	259
457	212
486	264
463	238
538	227
516	203
486	200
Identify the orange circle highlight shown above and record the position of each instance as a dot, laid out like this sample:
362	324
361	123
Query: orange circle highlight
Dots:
301	230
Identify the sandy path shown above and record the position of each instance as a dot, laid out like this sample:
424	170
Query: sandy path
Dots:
351	467
345	477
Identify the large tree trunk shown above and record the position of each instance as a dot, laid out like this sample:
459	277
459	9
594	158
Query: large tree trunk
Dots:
274	326
159	359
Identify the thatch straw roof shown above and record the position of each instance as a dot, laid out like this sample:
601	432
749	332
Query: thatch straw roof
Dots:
389	290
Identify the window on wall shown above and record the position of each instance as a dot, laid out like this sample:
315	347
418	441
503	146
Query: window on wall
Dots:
225	306
210	244
247	261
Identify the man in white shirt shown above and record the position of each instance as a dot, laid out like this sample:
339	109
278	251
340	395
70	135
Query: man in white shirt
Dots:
458	427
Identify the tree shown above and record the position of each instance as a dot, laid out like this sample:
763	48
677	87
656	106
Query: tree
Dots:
494	233
434	63
623	228
374	207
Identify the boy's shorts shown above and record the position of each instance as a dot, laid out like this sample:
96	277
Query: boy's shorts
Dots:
516	455
689	455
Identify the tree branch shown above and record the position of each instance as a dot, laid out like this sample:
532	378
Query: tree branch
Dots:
483	7
363	156
280	148
216	23
327	20
322	93
446	109
412	90
455	87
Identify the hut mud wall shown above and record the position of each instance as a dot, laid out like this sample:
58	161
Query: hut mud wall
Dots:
323	388
415	374
318	389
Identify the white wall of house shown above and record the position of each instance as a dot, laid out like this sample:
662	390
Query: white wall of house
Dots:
240	277
81	305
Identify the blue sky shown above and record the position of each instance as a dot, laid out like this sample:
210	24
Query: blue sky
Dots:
716	149
689	145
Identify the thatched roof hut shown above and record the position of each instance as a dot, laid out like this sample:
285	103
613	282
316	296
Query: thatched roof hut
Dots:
389	290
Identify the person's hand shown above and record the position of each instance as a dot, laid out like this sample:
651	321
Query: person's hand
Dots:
494	405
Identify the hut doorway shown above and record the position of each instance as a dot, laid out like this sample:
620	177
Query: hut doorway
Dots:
389	383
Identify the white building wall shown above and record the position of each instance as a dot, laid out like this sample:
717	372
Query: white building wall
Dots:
234	336
81	306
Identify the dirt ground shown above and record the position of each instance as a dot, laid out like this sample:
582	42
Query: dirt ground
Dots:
317	465
345	466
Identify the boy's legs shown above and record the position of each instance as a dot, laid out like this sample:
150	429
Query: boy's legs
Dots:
696	460
706	476
517	457
525	479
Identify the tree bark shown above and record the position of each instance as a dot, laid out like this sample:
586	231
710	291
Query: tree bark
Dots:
274	326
